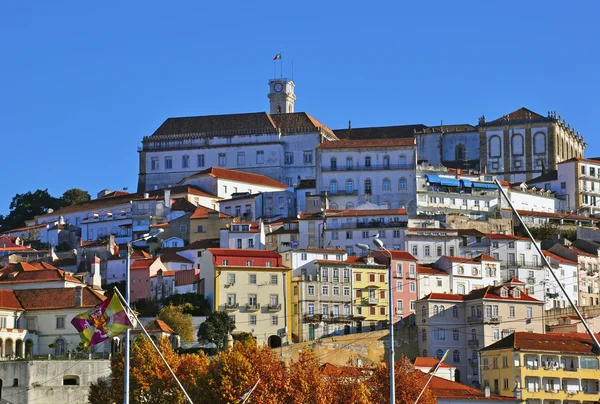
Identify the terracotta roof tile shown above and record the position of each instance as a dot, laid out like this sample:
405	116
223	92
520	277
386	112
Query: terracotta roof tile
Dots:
142	263
429	270
139	254
505	237
56	298
402	255
485	257
239	176
549	342
202	212
559	258
157	325
172	256
232	252
421	361
521	114
8	300
443	388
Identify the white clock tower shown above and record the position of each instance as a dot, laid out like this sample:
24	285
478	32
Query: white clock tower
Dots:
281	96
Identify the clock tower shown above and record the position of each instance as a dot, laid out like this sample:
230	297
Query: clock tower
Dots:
281	96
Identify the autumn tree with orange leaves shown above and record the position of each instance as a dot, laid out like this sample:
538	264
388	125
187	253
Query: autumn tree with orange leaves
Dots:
227	376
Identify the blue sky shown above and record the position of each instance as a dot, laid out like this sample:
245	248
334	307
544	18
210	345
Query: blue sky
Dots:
81	82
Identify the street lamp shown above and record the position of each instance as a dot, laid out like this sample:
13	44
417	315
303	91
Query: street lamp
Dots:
144	237
379	244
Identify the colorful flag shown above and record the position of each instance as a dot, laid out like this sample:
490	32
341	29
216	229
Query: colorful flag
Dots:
102	322
437	366
247	395
277	57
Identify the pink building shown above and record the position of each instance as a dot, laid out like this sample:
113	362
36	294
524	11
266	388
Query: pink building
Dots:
141	271
404	285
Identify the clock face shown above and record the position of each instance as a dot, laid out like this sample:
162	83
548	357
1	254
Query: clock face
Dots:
278	87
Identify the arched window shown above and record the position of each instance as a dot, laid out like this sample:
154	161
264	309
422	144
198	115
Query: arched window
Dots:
461	289
473	334
367	162
333	205
442	311
387	185
349	205
424	353
495	146
456	356
402	184
461	269
333	187
460	153
423	311
436	310
517	145
59	349
439	353
368	187
423	335
455	311
333	163
539	143
349	186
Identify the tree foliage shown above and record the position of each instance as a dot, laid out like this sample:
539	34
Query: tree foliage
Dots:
28	205
215	328
73	196
180	322
409	383
194	303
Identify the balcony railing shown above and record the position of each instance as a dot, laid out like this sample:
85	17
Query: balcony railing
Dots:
473	343
253	307
484	320
274	307
373	300
531	281
340	192
232	306
473	361
371	167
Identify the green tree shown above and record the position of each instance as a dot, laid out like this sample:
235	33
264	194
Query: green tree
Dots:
73	196
180	322
193	303
215	328
28	205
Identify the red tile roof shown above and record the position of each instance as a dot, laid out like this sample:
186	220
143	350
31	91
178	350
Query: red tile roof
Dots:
515	280
22	272
555	215
233	252
139	254
171	256
333	262
518	115
402	255
202	212
367	143
157	325
493	292
559	258
485	257
460	259
443	388
443	296
549	342
8	300
203	243
428	362
239	176
580	159
56	298
165	274
429	270
142	263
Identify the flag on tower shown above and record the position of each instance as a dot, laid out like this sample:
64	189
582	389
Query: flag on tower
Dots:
277	57
103	322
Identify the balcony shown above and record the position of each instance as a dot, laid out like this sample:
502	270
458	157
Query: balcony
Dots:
377	223
373	300
253	307
531	281
232	306
334	318
309	318
372	167
274	307
484	320
473	343
473	361
340	192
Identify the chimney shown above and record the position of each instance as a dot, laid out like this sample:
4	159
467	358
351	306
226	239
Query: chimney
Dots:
95	279
167	198
78	296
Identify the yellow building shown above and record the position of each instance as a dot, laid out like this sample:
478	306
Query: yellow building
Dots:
543	368
369	294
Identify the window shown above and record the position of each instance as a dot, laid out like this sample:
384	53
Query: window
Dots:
455	335
185	161
346	291
368	187
333	187
273	279
349	186
439	251
200	160
154	163
168	163
529	312
517	145
495	146
511	311
334	235
248	263
357	277
349	163
60	322
274	320
307	157
241	158
455	311
456	356
496	335
239	243
398	286
250	243
222	160
260	157
311	290
333	163
439	354
427	251
367	162
365	234
252	279
231	279
413	287
414	250
348	235
311	309
387	185
460	152
252	319
424	335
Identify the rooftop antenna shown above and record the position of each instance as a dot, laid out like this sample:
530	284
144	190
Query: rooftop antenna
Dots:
596	348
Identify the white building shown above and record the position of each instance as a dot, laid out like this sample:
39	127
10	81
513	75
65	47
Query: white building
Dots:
428	244
467	274
279	145
567	272
354	172
244	235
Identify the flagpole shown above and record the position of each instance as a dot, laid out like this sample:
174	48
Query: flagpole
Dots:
154	345
280	62
425	387
432	374
127	333
251	391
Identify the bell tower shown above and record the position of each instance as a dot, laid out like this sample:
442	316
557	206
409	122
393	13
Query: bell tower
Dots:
281	96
